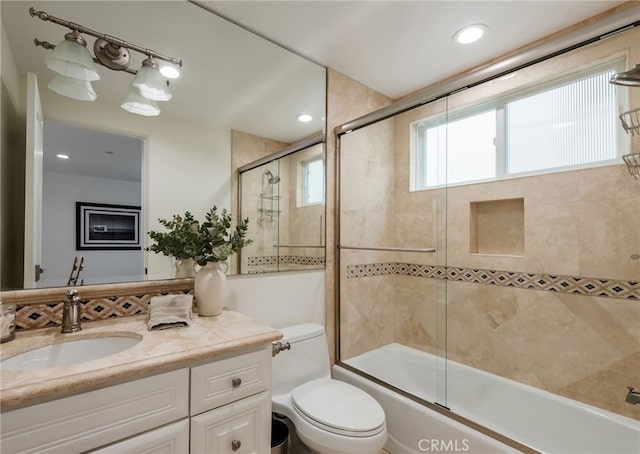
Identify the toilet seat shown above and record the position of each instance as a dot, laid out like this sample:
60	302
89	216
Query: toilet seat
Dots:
339	408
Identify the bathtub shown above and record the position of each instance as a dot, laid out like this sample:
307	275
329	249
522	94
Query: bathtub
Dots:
538	419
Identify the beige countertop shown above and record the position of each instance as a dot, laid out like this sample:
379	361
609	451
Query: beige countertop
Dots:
157	351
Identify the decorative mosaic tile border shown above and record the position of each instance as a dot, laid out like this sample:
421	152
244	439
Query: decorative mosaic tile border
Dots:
35	316
607	288
285	259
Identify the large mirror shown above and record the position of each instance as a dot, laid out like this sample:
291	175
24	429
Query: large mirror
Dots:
283	197
234	84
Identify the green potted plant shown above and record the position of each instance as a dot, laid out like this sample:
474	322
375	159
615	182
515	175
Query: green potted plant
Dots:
209	244
176	242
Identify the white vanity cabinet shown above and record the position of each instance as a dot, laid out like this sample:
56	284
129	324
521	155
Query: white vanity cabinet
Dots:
172	438
223	406
231	405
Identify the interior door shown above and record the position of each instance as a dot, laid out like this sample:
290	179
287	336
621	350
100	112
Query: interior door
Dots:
33	185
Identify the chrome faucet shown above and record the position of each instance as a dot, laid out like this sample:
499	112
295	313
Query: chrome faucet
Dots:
633	397
71	312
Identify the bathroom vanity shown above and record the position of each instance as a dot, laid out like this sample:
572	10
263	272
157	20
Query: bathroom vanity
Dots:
206	388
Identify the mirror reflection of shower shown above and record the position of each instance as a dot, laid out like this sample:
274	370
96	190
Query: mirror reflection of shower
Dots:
269	197
272	179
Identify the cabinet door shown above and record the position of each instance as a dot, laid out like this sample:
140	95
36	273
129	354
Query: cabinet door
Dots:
170	439
241	427
96	418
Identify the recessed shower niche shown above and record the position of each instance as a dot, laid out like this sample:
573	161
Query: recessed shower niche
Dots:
497	227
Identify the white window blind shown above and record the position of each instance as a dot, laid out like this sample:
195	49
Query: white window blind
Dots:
566	126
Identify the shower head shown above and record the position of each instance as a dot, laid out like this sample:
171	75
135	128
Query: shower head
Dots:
273	179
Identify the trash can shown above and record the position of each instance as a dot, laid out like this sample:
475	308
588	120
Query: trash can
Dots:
279	437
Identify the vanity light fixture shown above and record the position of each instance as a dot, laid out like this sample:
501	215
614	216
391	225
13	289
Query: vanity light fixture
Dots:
470	33
629	78
136	103
76	67
169	71
72	88
304	118
62	156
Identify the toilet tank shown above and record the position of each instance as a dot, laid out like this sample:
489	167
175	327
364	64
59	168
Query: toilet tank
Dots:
307	359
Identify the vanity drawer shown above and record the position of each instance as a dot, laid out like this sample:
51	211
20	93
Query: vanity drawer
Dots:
227	380
96	418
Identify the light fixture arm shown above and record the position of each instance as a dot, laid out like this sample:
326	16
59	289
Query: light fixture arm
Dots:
112	40
47	45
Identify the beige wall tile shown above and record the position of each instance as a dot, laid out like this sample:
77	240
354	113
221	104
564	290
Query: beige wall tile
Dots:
366	315
609	235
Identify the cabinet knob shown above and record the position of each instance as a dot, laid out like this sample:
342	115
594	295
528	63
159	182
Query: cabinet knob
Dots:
235	445
236	382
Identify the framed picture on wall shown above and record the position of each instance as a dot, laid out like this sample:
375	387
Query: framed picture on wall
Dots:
100	226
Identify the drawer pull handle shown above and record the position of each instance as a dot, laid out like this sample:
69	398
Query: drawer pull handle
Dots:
236	382
235	445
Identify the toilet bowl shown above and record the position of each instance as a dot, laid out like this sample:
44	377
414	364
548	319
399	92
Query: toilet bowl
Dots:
329	416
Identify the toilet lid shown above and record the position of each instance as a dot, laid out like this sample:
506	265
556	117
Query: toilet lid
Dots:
338	407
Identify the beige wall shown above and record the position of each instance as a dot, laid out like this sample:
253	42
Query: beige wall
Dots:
580	224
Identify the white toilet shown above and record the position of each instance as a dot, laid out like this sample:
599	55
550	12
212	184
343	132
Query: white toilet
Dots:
330	416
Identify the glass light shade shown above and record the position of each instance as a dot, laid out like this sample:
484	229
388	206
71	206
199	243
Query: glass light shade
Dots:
151	84
73	88
72	59
629	78
138	104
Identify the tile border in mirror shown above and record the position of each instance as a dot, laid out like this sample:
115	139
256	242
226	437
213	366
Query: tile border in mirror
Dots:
39	308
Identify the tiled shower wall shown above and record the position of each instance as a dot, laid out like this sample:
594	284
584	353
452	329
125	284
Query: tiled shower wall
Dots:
576	333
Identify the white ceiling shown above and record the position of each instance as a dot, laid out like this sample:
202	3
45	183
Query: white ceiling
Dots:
234	79
92	152
397	47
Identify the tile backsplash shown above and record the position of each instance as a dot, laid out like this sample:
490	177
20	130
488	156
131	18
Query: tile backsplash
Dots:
42	308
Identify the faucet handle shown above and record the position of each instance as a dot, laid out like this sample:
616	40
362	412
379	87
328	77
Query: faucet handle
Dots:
72	296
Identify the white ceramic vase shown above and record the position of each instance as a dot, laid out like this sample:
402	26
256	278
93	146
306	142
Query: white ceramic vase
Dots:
184	268
209	287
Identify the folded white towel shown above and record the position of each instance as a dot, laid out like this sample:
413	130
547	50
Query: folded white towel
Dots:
170	311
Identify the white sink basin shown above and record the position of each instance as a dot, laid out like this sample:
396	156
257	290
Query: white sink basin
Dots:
70	352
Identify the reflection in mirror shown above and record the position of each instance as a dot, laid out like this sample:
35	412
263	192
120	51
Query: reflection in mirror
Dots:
97	167
284	201
244	85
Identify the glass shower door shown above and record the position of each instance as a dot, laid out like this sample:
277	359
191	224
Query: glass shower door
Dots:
392	258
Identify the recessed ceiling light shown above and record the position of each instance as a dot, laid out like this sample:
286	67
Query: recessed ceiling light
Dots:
304	118
62	156
470	33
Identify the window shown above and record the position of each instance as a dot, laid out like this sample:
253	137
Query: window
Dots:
468	145
312	173
565	124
